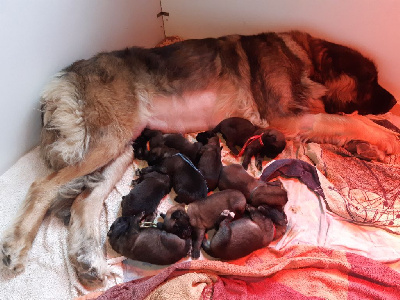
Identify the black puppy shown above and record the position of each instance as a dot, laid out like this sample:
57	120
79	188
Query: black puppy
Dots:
253	141
236	131
264	142
277	216
257	192
234	239
146	195
155	145
186	180
210	164
150	245
202	215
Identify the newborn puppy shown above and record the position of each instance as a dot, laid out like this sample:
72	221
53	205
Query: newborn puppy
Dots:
236	131
277	216
169	142
264	142
210	164
237	238
146	195
186	180
150	245
202	215
180	143
257	192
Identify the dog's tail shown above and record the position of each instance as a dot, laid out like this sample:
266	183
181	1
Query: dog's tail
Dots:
64	138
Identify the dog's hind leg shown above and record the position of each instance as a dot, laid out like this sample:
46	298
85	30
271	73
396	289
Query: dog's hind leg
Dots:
85	249
18	239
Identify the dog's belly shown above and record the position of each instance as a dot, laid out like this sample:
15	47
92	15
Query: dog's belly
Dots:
184	114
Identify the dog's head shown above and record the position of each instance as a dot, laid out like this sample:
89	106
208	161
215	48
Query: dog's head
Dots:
177	221
274	142
351	80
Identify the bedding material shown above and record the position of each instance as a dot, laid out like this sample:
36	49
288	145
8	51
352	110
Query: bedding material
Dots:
298	272
318	223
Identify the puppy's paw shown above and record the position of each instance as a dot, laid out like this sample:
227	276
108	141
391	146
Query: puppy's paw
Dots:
195	253
13	254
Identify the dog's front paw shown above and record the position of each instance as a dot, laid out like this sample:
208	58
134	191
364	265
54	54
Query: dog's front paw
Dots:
13	254
90	264
364	150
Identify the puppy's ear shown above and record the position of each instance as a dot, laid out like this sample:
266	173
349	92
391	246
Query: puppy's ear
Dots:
178	214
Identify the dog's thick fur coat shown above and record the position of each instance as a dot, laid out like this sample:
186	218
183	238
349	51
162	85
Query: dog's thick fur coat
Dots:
94	108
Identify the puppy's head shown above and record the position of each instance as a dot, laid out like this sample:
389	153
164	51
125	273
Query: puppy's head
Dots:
271	193
203	137
124	225
352	82
177	221
274	142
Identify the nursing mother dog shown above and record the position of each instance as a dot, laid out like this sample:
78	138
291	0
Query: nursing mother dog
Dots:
93	110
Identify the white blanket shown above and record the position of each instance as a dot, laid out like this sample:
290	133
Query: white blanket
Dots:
49	274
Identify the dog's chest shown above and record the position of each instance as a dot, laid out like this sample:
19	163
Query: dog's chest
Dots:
190	112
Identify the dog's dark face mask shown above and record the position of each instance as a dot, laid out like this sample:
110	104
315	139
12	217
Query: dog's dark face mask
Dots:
352	82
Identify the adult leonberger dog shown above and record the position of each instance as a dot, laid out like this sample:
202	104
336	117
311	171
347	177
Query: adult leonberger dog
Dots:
94	109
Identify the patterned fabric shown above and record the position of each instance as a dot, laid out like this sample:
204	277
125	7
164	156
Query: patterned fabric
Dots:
301	272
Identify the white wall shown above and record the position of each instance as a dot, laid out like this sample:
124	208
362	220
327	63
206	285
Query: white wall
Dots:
39	38
371	26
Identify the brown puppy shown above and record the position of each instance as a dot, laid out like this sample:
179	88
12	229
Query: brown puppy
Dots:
146	195
210	164
237	238
257	192
202	215
267	142
150	245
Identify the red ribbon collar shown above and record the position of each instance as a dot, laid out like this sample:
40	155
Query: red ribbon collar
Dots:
249	141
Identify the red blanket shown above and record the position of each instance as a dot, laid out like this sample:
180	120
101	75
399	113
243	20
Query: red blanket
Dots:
301	272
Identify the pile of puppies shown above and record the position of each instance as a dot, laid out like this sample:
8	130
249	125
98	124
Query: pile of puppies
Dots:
246	213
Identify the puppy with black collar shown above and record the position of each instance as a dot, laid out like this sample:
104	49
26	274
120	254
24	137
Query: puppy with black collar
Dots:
197	217
186	180
147	244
